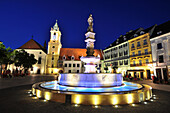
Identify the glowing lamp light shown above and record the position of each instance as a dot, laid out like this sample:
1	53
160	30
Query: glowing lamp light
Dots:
76	105
129	99
145	102
96	100
133	104
114	101
151	100
77	99
47	96
116	106
38	93
96	106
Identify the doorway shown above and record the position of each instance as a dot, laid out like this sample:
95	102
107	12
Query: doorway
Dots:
158	74
148	74
165	74
141	75
38	71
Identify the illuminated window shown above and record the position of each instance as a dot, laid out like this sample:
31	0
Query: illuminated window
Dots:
159	46
139	53
133	54
140	62
147	61
146	51
133	45
138	44
145	42
134	63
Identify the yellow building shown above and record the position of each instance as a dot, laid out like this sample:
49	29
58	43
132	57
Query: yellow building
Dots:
140	54
54	46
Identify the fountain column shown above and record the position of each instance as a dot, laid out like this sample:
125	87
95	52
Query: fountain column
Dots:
90	59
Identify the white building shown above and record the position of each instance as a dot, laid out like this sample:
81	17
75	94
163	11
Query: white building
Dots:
70	60
160	43
117	54
33	47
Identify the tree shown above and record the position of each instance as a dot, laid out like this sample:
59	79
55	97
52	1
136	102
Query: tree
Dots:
6	56
23	59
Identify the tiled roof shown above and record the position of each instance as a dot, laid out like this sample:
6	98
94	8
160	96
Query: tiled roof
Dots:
32	44
77	53
161	29
125	37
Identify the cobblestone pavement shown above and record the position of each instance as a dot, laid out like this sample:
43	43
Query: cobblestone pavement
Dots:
30	79
17	100
163	87
14	98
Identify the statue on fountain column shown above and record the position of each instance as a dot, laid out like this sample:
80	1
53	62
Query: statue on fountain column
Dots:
90	21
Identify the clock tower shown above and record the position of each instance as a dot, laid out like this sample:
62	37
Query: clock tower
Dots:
54	46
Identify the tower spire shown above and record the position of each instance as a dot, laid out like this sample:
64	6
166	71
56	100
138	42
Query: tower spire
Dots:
55	27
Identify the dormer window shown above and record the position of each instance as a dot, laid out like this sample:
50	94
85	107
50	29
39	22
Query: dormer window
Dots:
72	58
135	35
64	57
159	32
142	32
117	41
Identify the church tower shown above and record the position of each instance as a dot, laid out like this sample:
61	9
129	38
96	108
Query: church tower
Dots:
54	46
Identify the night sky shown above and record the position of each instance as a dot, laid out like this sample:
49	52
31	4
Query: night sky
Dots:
20	19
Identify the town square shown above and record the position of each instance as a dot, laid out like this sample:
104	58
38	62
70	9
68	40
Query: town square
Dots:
85	57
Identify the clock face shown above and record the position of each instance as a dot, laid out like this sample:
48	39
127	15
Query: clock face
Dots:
54	37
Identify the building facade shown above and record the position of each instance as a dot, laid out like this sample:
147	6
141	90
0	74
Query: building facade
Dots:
33	47
70	60
116	56
160	42
140	56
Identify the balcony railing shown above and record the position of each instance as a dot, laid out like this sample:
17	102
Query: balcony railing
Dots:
143	64
140	54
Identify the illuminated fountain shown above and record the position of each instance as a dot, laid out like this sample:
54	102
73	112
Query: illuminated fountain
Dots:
91	88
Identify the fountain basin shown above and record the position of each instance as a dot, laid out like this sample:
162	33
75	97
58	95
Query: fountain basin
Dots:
126	94
90	79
